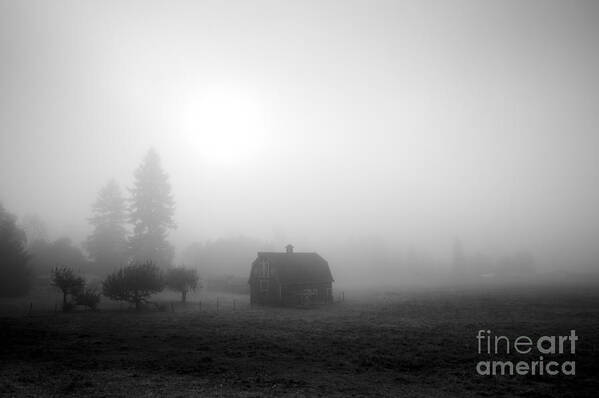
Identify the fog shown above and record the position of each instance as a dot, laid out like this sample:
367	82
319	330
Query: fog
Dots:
393	127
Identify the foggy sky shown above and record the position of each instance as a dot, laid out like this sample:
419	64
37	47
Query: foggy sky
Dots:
321	121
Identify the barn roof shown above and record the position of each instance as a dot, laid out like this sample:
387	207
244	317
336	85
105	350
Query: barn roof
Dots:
298	267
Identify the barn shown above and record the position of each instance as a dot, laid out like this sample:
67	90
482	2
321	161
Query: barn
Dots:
290	278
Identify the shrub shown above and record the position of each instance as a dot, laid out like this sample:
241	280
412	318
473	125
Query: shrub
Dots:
89	297
134	283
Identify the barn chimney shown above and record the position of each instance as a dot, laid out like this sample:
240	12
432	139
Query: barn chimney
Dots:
289	248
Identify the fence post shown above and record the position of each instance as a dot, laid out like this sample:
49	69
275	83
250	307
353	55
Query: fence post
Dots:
217	303
233	304
200	305
30	308
342	296
172	307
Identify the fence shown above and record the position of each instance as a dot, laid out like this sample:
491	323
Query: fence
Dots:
214	303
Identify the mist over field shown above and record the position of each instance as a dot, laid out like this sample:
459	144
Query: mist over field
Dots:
390	137
299	198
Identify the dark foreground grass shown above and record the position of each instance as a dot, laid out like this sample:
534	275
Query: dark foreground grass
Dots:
396	344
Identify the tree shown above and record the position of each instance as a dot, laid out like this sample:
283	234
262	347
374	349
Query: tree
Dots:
65	279
134	283
151	213
182	280
61	251
14	271
35	229
107	244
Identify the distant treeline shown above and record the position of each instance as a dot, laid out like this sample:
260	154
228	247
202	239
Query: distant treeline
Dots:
126	230
134	229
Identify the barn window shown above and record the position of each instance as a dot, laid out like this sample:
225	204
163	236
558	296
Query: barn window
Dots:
265	269
264	285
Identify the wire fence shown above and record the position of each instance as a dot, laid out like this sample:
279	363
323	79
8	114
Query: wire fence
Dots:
208	304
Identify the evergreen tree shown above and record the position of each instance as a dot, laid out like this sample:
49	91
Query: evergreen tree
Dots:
35	229
45	255
151	213
107	245
14	271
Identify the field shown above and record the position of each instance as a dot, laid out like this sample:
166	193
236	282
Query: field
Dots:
415	343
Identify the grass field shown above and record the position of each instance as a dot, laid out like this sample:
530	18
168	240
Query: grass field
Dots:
399	343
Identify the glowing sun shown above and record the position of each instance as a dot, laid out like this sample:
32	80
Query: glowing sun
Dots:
225	126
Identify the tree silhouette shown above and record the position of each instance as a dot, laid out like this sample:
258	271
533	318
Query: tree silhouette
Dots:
107	244
89	297
134	283
151	213
65	279
62	251
182	280
35	229
14	271
459	258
